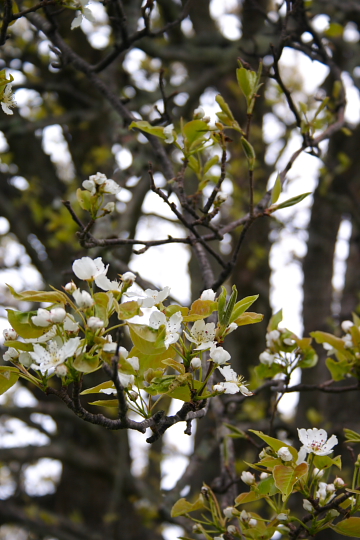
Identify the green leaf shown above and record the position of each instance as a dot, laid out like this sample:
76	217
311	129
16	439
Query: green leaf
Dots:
249	496
145	339
150	361
247	81
142	125
241	306
249	153
105	403
276	190
174	364
103	303
222	304
275	321
210	163
324	337
264	371
338	370
194	133
224	107
324	462
275	444
249	318
127	310
200	309
335	30
267	486
290	202
8	377
309	360
22	324
85	199
236	431
174	308
348	527
96	389
19	345
286	477
85	363
54	297
351	436
269	462
182	507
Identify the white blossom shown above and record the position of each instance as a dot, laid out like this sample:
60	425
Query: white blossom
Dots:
11	354
347	339
218	388
70	325
232	529
195	363
89	185
315	441
219	355
110	187
83	299
233	382
199	113
289	342
94	323
346	325
8	102
220	198
203	335
61	371
173	325
25	359
126	380
169	134
55	354
45	318
252	522
153	298
85	12
267	358
285	454
88	269
248	478
134	362
244	515
109	207
339	482
318	473
230	512
70	287
106	284
129	277
10	334
322	492
308	506
208	294
264	475
272	337
282	516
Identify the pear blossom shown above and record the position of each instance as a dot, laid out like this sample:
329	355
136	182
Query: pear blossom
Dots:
134	362
109	207
232	529
106	284
285	454
83	299
126	380
94	323
61	371
55	354
244	515
267	358
11	354
272	337
307	505
318	473
128	277
45	318
346	325
230	512
203	335
315	441
169	134
70	325
99	182
233	382
88	269
84	12
199	113
339	482
70	287
10	334
248	478
195	363
282	517
219	355
153	298
25	359
220	198
7	101
264	475
90	186
173	325
252	522
347	339
218	388
208	294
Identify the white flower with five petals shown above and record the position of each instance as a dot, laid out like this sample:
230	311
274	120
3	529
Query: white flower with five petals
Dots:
88	269
233	382
55	354
173	325
7	101
202	334
315	441
153	298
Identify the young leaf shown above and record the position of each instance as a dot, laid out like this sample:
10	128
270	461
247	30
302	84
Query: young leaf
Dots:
348	527
8	377
242	306
275	444
182	507
148	128
276	190
289	202
249	318
249	153
286	477
351	436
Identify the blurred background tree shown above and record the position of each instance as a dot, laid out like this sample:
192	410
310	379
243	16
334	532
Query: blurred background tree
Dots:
76	91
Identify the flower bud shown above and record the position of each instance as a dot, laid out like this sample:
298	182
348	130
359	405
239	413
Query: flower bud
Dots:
94	323
25	359
208	294
109	207
282	517
197	529
199	113
195	363
346	325
252	522
10	355
129	277
339	482
264	475
220	199
134	362
308	506
133	395
10	334
248	478
245	516
61	371
218	388
285	454
230	512
83	299
318	473
70	287
330	488
57	315
267	358
232	529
